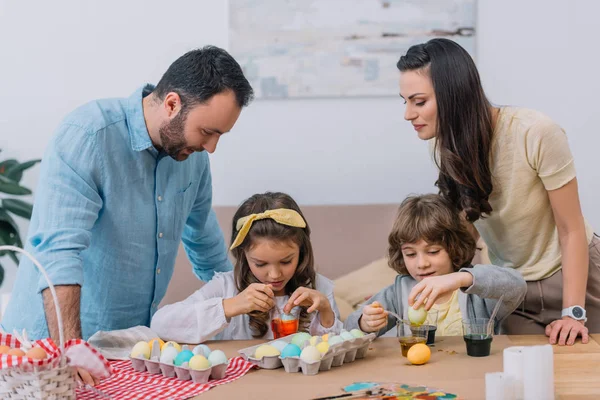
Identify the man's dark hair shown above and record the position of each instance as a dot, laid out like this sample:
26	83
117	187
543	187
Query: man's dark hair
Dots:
200	74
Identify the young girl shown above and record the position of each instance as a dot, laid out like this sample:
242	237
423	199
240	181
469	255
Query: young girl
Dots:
514	167
273	274
431	249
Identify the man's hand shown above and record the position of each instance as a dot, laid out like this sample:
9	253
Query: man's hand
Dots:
565	331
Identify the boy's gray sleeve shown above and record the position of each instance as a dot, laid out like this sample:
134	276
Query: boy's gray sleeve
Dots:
490	282
388	298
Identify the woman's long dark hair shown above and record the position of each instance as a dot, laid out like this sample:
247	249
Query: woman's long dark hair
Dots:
464	124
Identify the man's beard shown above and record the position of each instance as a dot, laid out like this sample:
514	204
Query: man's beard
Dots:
172	138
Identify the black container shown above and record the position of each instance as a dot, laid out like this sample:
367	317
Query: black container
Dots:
478	345
430	329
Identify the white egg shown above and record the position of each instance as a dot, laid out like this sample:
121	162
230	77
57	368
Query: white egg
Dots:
346	335
279	345
202	350
310	354
168	355
217	357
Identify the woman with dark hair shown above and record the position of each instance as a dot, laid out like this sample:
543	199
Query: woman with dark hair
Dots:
510	173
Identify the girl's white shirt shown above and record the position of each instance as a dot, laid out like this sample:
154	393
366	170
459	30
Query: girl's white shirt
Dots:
201	316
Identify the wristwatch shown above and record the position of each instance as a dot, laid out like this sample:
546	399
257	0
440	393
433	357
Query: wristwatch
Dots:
575	312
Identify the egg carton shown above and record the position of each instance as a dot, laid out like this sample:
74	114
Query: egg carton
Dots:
183	372
338	354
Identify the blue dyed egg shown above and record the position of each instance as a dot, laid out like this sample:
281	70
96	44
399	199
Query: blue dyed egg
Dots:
291	350
183	357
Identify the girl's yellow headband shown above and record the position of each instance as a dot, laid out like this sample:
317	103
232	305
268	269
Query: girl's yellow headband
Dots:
282	216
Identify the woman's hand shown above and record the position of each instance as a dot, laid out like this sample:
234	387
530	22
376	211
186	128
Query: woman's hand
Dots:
373	318
430	289
256	297
565	331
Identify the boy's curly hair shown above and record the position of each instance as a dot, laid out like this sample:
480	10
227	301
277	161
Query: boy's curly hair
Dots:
435	220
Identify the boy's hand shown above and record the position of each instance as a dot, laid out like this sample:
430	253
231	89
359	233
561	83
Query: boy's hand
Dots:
256	297
430	289
373	318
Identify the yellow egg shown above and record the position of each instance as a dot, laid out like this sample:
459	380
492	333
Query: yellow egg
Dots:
175	344
266	350
418	354
141	350
323	347
160	342
199	363
325	337
37	353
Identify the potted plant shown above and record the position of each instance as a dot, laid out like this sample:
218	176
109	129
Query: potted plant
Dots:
11	173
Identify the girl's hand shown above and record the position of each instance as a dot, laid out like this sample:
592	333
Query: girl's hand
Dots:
315	301
373	318
430	289
256	297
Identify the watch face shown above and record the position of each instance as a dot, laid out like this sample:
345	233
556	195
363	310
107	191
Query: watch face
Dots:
577	312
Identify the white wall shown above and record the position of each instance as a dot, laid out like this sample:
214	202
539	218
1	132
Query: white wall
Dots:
66	52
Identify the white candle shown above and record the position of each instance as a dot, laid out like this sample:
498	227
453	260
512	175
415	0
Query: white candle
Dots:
538	377
498	386
513	369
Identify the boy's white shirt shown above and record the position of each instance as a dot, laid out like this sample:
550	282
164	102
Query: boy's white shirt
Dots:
201	317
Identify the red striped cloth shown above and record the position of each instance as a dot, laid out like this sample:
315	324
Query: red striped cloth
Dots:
79	352
127	384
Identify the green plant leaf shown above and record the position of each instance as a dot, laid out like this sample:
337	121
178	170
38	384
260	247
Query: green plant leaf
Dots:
15	172
11	187
14	257
18	207
9	231
6	164
1	274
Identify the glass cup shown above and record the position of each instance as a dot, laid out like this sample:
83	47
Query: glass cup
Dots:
430	325
478	337
284	324
409	335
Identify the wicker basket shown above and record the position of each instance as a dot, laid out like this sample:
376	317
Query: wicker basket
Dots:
55	381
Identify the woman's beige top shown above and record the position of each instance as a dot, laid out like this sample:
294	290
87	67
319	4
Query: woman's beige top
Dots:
530	156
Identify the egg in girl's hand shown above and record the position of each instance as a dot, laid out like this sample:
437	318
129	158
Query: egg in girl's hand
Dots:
16	352
279	345
291	350
310	354
202	350
346	335
323	347
300	338
217	357
357	333
174	344
183	357
198	363
37	353
4	349
417	317
141	350
167	356
266	350
335	339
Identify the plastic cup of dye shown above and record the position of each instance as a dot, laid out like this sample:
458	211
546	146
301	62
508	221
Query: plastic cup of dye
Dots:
409	335
478	337
285	324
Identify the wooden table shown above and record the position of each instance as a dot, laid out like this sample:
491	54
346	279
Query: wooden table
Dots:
576	368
